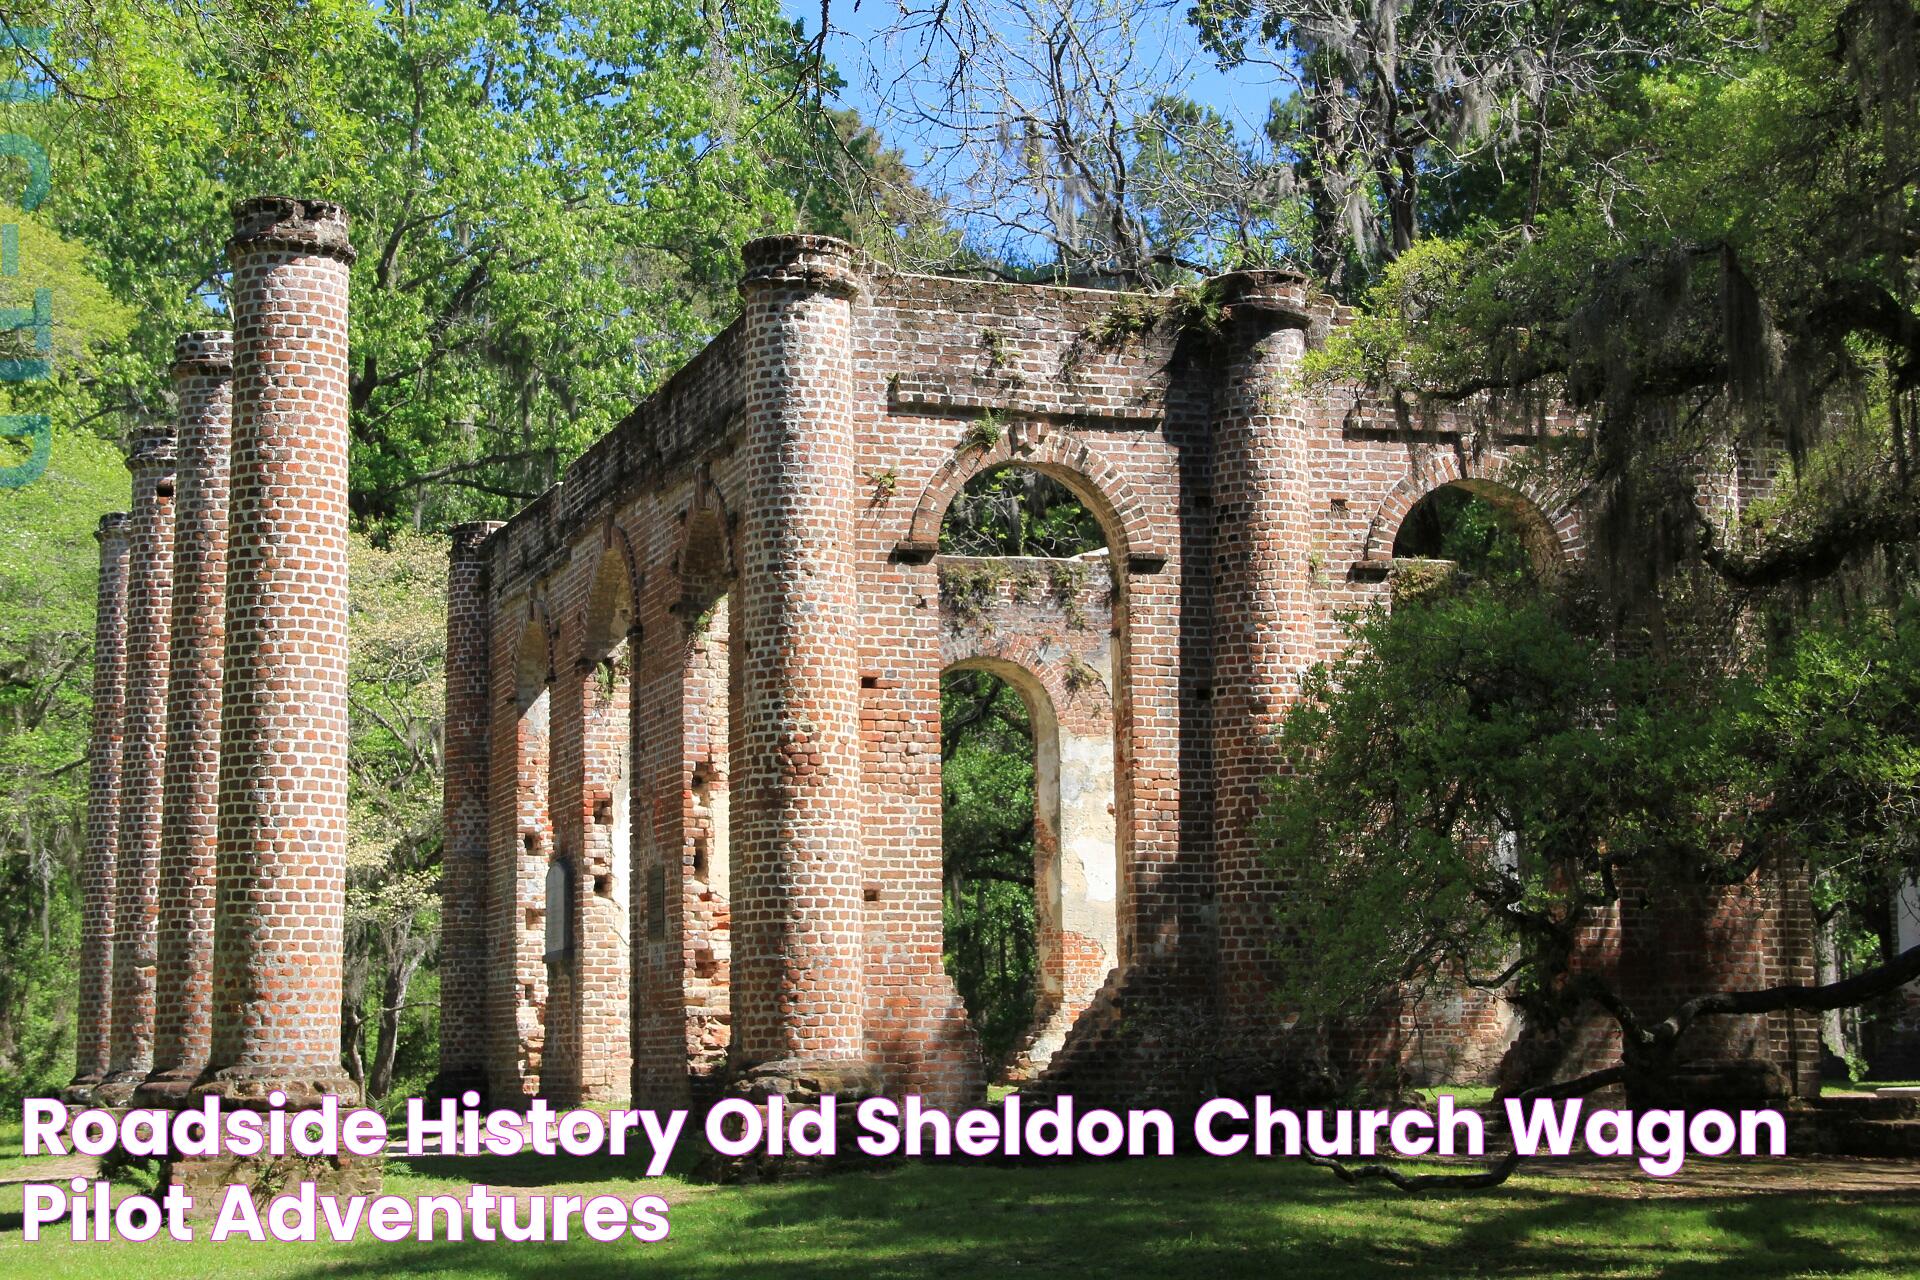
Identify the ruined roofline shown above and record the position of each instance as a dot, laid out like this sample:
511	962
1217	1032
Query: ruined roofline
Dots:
638	448
632	449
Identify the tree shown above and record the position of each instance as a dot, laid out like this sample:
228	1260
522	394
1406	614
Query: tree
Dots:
1389	98
1060	137
49	570
548	199
1730	264
1475	781
397	711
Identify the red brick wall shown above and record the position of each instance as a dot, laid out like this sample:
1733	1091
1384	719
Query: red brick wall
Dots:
801	467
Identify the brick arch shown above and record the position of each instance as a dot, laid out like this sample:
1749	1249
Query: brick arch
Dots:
1018	660
539	625
610	612
1558	538
705	561
1094	479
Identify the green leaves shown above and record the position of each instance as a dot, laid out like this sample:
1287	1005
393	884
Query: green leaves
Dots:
548	199
1465	787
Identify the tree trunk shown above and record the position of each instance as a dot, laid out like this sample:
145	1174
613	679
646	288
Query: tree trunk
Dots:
402	963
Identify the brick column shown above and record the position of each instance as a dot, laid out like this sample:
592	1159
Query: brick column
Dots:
203	385
463	878
797	909
143	751
1261	610
281	875
93	1036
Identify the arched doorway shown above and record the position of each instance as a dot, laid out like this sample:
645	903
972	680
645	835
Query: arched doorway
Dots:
598	956
1028	761
1461	537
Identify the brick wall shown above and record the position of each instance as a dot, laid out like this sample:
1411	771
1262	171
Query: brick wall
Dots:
800	468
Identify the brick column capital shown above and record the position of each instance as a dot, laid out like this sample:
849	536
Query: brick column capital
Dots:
1272	298
285	224
112	527
818	263
470	539
151	451
203	351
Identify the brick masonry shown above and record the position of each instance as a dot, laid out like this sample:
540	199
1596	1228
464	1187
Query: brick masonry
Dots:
93	1047
776	508
150	457
463	923
281	873
202	381
693	791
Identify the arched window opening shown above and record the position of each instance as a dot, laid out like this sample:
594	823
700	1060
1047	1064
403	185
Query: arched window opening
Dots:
1481	532
598	949
704	861
1017	511
521	981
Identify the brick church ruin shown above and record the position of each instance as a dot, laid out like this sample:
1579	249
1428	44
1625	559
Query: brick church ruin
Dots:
693	735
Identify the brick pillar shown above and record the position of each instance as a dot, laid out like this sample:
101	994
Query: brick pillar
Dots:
281	875
93	1037
463	879
203	383
797	909
1263	634
143	752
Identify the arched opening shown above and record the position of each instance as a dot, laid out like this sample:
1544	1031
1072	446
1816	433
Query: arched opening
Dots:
682	1005
1481	531
521	872
1031	623
992	821
1464	537
600	951
1019	511
704	862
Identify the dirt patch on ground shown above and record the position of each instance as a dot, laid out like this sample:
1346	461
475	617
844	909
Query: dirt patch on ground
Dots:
50	1169
1807	1175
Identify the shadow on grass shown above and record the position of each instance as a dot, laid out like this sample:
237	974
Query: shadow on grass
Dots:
1213	1219
530	1169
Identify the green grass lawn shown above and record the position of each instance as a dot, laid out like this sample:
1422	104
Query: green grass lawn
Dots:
1143	1218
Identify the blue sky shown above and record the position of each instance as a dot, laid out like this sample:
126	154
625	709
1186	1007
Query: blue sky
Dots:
854	46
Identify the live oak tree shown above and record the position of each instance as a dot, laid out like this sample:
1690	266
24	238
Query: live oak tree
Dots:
1476	781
